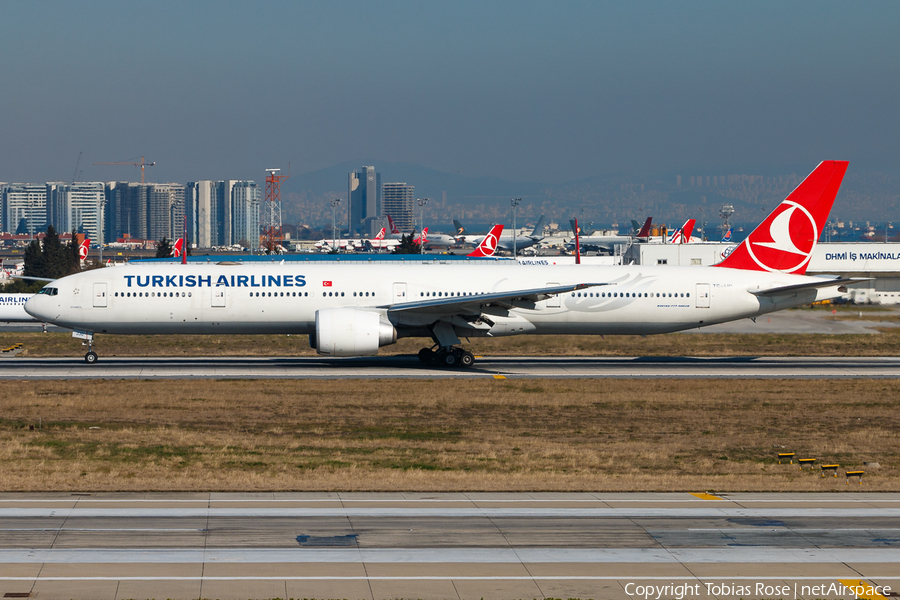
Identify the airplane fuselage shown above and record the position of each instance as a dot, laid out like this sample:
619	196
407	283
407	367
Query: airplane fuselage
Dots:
12	308
283	298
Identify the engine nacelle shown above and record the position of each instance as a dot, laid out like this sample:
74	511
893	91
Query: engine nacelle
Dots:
352	332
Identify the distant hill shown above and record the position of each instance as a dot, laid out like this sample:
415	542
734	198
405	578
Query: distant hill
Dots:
429	183
601	200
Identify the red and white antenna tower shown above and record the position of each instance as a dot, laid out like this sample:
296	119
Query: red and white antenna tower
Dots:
272	235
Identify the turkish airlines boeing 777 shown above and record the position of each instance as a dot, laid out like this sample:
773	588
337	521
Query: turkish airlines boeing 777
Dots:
351	309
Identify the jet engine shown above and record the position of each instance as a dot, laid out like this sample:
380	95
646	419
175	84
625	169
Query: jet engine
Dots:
352	332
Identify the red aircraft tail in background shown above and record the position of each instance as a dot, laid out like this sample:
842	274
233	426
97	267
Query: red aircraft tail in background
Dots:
645	230
488	245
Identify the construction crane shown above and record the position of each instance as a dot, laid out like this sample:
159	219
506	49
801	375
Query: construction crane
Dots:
141	164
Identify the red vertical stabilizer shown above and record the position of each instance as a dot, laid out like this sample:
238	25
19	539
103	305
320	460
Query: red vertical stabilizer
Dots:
785	240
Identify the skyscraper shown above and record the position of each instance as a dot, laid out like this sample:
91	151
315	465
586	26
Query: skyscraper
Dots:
222	213
245	214
398	201
201	200
79	207
365	200
25	207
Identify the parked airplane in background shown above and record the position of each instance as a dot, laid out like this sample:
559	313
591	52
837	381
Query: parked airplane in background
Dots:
727	237
351	309
488	245
11	270
177	248
84	248
12	308
605	243
682	235
505	241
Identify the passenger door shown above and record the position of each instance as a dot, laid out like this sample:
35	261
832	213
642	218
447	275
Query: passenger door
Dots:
100	295
399	293
218	297
553	301
702	295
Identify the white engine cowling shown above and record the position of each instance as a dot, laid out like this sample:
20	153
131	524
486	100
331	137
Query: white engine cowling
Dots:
352	332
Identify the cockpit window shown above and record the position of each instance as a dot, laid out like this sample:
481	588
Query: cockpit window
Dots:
50	291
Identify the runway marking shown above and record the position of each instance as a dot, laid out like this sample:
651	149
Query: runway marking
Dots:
705	496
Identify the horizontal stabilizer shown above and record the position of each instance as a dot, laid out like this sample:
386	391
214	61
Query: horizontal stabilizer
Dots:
813	285
32	278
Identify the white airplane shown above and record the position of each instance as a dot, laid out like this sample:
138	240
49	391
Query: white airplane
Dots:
352	309
606	243
505	242
488	245
682	235
12	308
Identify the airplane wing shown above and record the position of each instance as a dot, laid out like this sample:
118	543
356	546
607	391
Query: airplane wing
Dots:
473	304
32	278
790	289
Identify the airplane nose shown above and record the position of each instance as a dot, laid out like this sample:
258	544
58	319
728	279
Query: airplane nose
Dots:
38	307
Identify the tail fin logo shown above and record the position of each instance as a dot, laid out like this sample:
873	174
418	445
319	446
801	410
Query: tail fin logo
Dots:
488	245
83	249
391	224
792	235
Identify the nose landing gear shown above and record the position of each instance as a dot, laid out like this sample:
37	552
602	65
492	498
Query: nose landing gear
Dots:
87	340
447	357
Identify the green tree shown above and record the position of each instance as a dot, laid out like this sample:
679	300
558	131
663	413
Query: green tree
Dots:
73	256
50	258
164	248
408	245
34	260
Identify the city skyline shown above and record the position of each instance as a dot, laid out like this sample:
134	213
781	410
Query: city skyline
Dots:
529	91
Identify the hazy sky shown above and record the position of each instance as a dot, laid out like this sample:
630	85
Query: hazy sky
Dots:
532	91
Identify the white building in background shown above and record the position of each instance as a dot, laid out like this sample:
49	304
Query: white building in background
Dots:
26	201
165	206
245	197
398	200
200	203
222	213
79	207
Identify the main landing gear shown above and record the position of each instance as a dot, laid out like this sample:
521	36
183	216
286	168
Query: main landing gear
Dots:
447	357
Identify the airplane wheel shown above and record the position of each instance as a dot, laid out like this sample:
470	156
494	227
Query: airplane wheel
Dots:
91	357
467	359
425	355
436	359
449	359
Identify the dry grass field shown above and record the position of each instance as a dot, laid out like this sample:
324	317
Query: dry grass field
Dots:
443	436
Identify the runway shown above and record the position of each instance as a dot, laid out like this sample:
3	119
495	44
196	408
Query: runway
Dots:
489	366
464	545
